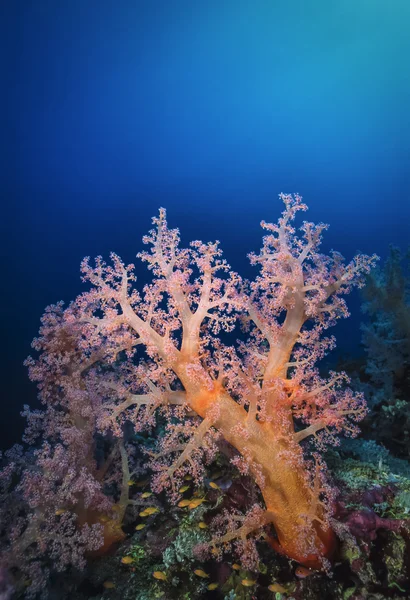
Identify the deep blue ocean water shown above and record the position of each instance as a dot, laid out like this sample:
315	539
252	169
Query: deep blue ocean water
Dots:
114	108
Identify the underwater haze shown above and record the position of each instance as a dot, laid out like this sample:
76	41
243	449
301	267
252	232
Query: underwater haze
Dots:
112	109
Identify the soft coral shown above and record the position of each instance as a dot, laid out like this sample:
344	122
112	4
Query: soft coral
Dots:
264	396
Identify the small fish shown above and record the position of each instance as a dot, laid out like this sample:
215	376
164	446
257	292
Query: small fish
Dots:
183	489
275	587
59	512
127	560
202	525
248	582
131	482
184	503
213	586
195	503
160	575
143	514
140	527
109	585
146	495
236	567
201	573
214	485
303	572
188	477
151	510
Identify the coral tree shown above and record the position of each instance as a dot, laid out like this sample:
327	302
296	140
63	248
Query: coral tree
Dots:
117	356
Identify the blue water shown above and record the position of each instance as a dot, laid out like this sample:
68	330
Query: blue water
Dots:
111	109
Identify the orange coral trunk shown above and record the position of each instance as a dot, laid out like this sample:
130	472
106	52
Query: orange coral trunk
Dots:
112	531
302	535
276	461
298	515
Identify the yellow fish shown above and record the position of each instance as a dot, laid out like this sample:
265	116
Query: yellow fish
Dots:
109	585
195	503
127	560
248	582
144	514
140	526
59	512
184	503
146	494
214	485
212	586
151	510
183	489
201	573
202	525
236	567
188	477
275	587
131	482
160	575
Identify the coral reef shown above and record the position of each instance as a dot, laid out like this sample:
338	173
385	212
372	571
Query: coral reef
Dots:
164	449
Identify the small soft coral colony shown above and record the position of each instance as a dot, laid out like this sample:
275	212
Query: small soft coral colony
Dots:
118	355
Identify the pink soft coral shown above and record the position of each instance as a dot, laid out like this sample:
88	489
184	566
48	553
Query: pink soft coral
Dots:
264	396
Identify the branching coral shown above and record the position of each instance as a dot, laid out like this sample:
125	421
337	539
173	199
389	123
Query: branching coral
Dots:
386	335
117	355
386	338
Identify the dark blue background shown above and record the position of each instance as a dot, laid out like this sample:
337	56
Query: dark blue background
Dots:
112	108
